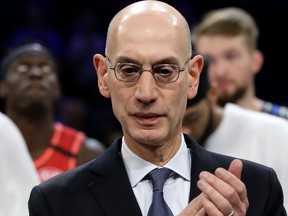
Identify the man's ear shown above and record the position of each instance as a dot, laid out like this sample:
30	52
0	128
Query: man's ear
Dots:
258	60
195	68
101	70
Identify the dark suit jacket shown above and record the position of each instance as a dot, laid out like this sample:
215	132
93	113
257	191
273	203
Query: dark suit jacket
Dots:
102	188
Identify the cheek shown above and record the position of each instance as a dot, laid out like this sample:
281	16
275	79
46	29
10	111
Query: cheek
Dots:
119	97
13	78
242	72
210	74
53	79
179	99
210	71
14	84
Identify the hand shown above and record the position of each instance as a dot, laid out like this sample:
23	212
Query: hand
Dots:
222	193
194	208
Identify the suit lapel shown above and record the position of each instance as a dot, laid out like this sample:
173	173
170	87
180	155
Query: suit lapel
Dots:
112	187
201	160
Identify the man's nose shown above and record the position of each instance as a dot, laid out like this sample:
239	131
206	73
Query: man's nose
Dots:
146	86
35	70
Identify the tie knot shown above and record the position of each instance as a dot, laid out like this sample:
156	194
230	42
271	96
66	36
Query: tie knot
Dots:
158	177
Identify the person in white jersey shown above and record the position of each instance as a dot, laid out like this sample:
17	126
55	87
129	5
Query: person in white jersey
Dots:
17	172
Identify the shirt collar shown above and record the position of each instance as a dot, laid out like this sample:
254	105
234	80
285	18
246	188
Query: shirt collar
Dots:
138	168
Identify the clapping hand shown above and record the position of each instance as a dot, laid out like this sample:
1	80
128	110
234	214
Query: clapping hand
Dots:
223	193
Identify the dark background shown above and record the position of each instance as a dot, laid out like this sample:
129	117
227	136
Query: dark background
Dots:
75	30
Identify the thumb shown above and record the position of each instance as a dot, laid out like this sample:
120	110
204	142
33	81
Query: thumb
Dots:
236	167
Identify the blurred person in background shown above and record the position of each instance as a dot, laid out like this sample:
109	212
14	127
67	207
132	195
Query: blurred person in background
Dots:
228	38
17	172
30	88
236	131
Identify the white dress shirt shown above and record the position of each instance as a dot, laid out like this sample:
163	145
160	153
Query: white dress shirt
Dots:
176	188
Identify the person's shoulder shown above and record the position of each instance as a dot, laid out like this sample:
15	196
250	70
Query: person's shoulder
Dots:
275	109
67	128
9	130
89	148
249	166
78	174
91	143
94	144
255	117
5	121
84	173
221	159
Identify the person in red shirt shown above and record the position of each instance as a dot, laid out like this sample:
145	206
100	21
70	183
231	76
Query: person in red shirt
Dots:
30	87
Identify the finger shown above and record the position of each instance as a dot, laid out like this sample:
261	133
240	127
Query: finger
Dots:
194	207
216	191
232	177
209	208
202	212
236	168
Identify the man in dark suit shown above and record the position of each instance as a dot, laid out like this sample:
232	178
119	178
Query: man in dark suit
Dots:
149	74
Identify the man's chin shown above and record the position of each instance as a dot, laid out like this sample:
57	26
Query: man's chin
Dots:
147	136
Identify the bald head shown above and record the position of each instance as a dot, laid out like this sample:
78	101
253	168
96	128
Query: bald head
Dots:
148	72
143	19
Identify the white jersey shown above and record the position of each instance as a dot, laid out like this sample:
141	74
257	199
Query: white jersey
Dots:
17	172
255	136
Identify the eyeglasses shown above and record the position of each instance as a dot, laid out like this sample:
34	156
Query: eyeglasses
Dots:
162	73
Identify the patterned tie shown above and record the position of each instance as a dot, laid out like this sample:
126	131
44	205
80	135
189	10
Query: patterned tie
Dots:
158	206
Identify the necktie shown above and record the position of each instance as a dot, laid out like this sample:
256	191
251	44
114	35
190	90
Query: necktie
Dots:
158	206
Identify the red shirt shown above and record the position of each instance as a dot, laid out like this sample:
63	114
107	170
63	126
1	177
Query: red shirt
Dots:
62	153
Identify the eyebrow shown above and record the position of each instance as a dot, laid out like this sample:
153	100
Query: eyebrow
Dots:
124	59
167	60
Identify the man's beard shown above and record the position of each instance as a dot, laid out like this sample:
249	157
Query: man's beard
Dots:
225	97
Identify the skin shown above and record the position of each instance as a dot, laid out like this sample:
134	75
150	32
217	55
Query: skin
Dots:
151	113
232	68
221	193
30	97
